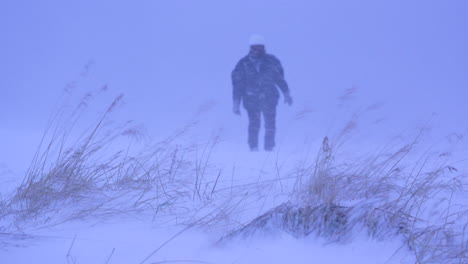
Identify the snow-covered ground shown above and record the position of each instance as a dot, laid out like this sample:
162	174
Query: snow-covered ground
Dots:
134	241
254	182
132	238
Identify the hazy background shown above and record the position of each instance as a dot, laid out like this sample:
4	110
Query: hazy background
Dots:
173	58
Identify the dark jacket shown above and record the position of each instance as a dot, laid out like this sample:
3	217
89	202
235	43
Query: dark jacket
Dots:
256	80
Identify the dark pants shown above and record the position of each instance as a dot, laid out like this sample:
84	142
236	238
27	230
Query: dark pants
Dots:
269	116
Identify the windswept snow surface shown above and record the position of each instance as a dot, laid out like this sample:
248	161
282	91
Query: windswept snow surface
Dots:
134	241
131	239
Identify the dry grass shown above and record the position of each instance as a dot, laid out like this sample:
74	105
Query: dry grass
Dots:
385	194
94	176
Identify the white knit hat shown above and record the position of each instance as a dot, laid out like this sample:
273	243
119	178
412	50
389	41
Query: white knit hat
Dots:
257	40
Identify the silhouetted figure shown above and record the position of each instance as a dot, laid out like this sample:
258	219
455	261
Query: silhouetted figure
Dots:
255	80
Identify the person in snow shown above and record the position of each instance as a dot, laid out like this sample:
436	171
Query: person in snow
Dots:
256	80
